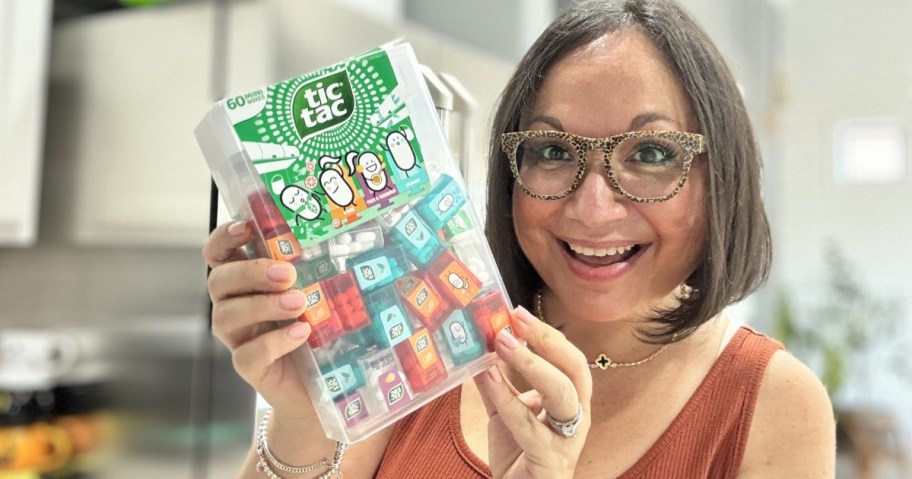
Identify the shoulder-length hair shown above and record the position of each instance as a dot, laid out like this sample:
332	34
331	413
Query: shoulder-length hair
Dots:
737	252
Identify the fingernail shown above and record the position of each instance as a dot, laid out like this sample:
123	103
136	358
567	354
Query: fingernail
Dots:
292	300
299	330
494	374
281	272
507	339
524	315
237	228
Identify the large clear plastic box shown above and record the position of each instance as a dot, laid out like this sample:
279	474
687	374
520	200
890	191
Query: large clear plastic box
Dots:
346	173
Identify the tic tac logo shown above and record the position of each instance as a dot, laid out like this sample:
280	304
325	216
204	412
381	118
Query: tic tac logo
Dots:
422	344
353	408
313	298
333	384
322	103
323	268
285	247
396	331
368	273
410	227
422	297
395	394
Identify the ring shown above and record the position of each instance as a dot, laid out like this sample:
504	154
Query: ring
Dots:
566	429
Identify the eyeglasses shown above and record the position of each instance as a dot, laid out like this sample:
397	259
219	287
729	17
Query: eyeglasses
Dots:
644	166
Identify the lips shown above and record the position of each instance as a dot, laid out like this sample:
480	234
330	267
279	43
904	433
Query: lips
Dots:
602	256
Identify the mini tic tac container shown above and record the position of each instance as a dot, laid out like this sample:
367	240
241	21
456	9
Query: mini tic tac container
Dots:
345	173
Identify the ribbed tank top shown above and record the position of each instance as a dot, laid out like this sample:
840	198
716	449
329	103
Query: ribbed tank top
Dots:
706	440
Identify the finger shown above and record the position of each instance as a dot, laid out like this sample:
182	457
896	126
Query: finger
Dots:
225	243
249	277
559	394
551	345
504	407
236	320
253	358
487	381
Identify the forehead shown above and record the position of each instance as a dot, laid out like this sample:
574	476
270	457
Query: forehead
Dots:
616	83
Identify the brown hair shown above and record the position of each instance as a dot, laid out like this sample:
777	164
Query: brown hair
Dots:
737	251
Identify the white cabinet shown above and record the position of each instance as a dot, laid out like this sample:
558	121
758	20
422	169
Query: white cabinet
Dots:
129	87
24	32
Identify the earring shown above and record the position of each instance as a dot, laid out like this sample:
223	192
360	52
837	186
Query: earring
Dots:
684	291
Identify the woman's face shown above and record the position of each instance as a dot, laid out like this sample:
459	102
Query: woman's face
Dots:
615	84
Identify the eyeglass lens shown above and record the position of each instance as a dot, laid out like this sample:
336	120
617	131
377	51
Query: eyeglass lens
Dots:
645	167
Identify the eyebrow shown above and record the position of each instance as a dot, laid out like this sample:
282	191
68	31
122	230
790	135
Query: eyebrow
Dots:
638	121
549	120
646	118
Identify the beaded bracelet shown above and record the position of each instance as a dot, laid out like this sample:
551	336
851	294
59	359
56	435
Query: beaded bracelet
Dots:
334	468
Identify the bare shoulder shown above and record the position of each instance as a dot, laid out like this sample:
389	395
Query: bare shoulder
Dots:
793	432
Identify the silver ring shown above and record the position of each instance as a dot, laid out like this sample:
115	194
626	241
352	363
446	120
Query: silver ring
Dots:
566	429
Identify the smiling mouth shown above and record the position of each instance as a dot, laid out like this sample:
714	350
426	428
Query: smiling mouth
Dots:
602	256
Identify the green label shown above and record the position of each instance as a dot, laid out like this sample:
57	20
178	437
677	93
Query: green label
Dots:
322	103
334	148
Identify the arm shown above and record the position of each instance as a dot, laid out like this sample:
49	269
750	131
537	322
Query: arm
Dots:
294	447
793	433
249	298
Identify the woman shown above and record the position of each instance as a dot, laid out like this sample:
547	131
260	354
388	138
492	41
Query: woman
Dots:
624	209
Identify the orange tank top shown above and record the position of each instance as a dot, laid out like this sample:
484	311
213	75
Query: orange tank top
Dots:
706	440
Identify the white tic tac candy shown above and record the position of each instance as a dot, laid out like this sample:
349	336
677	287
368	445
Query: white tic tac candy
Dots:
477	267
311	252
366	237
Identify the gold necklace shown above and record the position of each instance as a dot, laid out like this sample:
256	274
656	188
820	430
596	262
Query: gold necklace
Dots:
602	362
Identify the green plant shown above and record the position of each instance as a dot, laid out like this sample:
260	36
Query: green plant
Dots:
833	334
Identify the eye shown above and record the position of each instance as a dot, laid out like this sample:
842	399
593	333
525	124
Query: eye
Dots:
653	153
554	153
546	152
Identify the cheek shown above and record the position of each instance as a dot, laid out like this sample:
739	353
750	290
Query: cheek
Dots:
531	219
523	217
522	223
692	224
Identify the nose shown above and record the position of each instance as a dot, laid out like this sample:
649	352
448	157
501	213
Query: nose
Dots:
595	200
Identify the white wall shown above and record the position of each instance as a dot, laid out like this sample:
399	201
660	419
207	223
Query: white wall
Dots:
843	60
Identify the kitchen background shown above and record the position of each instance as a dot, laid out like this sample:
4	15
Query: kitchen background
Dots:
106	201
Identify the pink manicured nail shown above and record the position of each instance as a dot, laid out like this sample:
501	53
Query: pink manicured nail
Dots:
292	300
507	339
299	330
524	315
281	272
237	228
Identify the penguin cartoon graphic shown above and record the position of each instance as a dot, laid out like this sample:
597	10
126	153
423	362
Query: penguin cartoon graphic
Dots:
377	186
457	282
401	151
339	190
458	334
303	203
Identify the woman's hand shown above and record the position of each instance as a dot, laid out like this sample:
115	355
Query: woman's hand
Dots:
248	297
521	444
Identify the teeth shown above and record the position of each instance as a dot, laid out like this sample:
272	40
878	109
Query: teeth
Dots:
586	251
